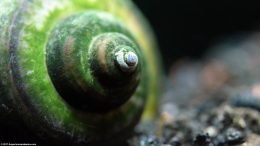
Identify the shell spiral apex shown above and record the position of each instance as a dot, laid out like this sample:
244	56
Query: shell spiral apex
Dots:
87	62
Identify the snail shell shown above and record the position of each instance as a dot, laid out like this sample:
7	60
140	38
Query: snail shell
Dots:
77	71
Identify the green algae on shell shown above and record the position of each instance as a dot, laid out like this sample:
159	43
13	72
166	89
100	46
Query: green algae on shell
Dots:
28	89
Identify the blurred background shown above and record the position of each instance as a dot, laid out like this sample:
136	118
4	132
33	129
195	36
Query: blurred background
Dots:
188	28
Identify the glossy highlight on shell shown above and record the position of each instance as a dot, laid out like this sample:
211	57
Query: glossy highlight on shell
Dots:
76	71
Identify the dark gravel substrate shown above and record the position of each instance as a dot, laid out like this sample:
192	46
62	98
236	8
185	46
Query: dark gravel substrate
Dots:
211	102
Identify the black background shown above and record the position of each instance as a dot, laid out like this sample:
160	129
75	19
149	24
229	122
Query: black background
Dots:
187	28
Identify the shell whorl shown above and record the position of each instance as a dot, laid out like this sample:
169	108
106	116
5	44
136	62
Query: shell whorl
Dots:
94	64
